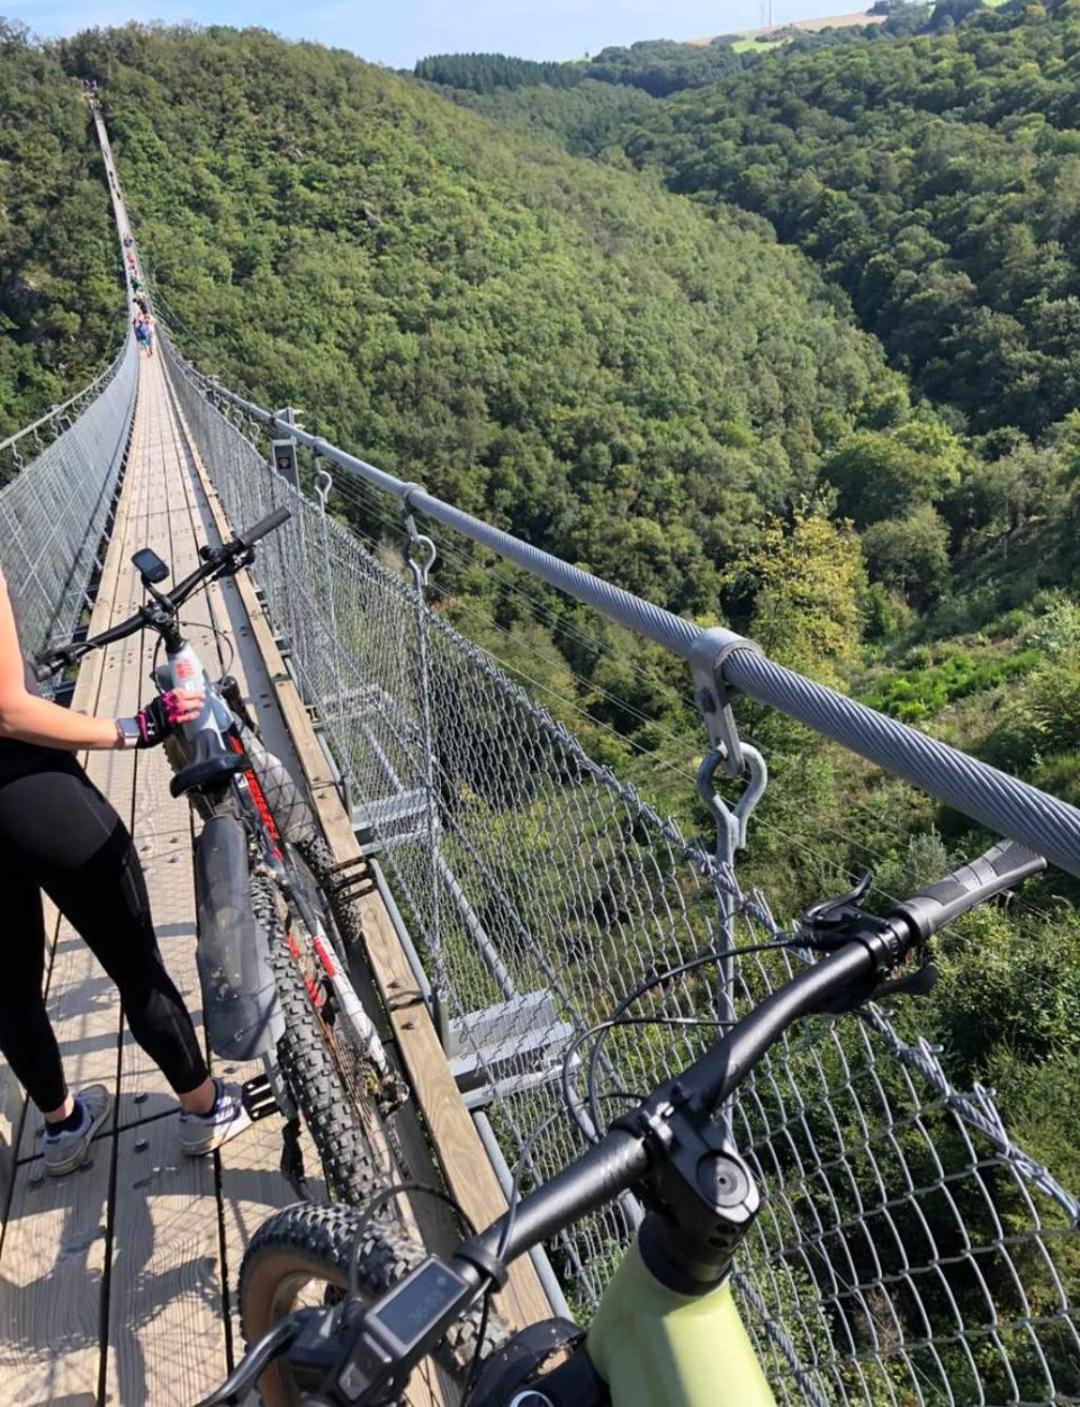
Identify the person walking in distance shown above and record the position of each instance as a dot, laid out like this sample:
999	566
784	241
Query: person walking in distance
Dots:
144	332
60	835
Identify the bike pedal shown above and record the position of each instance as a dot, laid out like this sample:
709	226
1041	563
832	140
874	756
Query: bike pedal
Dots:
361	872
258	1098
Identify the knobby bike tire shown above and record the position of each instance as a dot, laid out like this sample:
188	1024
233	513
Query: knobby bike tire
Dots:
319	859
350	1166
372	1093
307	1242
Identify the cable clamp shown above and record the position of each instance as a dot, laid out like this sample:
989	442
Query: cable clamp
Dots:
419	564
712	692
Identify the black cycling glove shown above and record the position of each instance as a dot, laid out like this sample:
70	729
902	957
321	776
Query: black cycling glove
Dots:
152	724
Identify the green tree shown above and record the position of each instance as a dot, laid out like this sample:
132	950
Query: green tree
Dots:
809	582
910	554
877	475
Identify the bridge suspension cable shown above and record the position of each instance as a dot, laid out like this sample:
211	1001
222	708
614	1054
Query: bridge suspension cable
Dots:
1002	803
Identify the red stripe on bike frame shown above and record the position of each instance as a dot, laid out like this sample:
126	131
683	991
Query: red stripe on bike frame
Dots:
259	798
324	957
317	997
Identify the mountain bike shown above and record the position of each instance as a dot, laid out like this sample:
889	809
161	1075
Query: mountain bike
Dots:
667	1332
275	916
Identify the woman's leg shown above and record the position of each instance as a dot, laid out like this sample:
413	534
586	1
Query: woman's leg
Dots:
72	843
26	1037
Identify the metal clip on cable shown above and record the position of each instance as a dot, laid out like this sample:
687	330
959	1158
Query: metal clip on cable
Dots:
324	482
713	697
420	566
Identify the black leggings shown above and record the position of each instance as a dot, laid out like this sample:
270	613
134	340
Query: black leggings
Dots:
58	833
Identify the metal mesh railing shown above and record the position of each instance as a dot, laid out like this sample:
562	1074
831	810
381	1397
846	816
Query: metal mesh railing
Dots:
58	480
907	1251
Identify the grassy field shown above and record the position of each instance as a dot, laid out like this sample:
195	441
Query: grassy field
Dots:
752	38
757	46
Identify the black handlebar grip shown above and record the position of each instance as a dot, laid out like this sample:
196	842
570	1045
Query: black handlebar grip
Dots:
263	526
1002	867
45	666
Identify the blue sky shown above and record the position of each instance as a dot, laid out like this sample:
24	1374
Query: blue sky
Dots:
398	32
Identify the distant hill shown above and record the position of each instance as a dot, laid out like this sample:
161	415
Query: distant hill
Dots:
61	294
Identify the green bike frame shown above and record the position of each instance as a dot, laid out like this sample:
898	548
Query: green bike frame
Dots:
656	1348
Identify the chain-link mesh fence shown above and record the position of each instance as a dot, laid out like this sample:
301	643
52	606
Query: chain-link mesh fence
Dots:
907	1251
59	480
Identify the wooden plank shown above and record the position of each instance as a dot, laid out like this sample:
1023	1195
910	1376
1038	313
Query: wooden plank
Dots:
432	1223
166	1331
465	1165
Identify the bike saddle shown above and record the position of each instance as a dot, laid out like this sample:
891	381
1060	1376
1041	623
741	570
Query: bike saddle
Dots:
210	769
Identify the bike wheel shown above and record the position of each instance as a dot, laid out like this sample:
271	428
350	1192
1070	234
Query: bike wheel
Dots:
327	1104
319	859
300	1257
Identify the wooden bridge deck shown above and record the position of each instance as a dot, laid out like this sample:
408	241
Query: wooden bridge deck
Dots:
115	1283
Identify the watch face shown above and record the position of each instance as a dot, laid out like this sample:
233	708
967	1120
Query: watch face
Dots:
129	731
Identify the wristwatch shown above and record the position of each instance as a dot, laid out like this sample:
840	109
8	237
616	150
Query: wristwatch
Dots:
127	733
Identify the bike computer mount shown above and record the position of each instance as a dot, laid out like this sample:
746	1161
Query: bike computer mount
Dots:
149	566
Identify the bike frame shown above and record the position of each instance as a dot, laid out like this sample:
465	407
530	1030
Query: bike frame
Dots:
651	1345
217	725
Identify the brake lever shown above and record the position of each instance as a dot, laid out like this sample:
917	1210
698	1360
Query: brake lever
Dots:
62	657
827	925
919	983
260	1355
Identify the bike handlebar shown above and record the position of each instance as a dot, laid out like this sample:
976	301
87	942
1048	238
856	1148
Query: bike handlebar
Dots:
216	561
622	1158
250	536
635	1151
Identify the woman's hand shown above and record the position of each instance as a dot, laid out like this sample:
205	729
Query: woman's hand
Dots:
165	713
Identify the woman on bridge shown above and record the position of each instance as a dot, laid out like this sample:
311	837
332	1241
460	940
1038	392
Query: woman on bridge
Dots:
60	835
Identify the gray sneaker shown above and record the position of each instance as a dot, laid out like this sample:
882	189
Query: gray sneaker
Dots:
202	1133
69	1149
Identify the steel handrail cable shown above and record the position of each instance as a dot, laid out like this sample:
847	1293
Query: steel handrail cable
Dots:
1003	803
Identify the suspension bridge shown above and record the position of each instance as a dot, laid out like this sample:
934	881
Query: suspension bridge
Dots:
909	1251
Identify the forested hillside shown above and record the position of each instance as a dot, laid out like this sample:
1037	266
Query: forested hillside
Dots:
61	299
566	348
664	390
937	180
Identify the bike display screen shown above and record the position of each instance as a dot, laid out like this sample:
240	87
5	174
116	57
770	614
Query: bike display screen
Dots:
149	565
419	1301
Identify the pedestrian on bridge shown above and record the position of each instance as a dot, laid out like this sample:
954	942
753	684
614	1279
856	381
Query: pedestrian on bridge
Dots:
144	332
59	834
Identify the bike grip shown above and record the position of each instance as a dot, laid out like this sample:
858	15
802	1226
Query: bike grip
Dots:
45	666
263	526
49	662
1003	866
